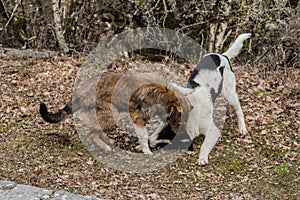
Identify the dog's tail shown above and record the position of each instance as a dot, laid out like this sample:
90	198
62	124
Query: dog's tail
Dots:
235	48
58	116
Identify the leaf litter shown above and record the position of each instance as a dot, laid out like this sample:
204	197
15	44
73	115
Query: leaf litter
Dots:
264	164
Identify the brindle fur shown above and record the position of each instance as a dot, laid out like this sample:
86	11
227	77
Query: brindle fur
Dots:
143	91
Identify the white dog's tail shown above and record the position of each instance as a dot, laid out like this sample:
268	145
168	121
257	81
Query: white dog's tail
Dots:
235	48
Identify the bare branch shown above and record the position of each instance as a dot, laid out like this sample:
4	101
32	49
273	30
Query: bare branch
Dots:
5	14
12	14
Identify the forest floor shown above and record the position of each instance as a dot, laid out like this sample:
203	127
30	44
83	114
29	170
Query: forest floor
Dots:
263	164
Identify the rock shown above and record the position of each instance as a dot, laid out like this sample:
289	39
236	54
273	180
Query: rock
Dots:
12	191
26	53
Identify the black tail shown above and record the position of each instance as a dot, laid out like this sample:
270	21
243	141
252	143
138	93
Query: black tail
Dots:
55	117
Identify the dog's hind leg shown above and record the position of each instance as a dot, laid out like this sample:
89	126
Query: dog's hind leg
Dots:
103	122
211	137
97	137
241	121
229	92
233	100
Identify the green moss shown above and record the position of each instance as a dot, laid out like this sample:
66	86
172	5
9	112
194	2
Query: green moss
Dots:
4	129
230	167
176	176
282	169
234	165
19	142
256	93
271	152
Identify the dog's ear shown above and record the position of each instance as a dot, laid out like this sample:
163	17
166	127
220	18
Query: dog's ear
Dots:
182	90
175	109
175	112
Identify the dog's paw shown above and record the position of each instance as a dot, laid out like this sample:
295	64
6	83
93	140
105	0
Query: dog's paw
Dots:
107	148
202	161
139	147
243	130
111	141
145	150
101	144
153	143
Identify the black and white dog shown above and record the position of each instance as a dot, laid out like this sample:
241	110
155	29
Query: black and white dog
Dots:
212	77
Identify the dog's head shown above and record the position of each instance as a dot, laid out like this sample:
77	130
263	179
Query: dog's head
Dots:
214	68
210	73
174	129
179	110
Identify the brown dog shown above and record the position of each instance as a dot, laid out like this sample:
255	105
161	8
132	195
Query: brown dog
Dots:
141	94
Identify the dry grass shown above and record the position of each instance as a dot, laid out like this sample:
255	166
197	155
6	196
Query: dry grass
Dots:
264	164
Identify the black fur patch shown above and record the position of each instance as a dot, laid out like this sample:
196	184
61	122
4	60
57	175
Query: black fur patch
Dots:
50	117
228	62
214	94
165	134
221	69
210	62
191	82
176	139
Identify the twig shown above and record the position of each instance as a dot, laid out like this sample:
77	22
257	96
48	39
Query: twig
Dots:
191	25
166	12
12	14
4	8
154	7
165	6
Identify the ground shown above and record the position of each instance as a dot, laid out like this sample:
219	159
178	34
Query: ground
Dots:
264	164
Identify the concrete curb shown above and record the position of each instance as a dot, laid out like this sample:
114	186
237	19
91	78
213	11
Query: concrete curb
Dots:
12	191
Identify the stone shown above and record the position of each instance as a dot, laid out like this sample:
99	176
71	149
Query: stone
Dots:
12	191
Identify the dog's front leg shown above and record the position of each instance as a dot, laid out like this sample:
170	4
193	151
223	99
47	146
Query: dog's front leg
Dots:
211	137
143	137
153	138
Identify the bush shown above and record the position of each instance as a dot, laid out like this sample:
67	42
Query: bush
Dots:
214	24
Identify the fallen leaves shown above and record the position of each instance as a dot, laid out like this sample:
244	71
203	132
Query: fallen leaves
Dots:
257	165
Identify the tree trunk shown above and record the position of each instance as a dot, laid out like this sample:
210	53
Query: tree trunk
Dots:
58	28
218	30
